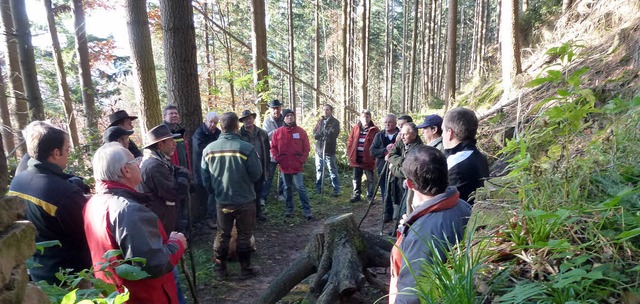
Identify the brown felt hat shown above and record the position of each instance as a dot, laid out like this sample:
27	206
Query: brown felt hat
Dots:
245	114
158	134
117	116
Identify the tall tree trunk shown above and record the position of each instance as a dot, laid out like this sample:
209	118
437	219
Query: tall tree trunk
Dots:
227	47
345	16
259	52
414	45
452	27
180	56
431	51
63	87
27	60
292	56
88	92
5	116
207	56
21	111
404	54
365	54
144	70
387	57
510	46
316	58
351	61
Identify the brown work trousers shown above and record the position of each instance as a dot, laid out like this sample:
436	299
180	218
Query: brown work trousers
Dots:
244	218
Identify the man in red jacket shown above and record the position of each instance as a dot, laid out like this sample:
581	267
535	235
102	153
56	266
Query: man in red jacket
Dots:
360	159
115	218
290	147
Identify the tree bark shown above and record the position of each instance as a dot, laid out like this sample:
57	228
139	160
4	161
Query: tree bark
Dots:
88	92
7	135
21	111
404	54
566	4
510	46
63	86
27	60
388	34
365	55
316	58
345	20
452	28
207	56
431	52
180	55
292	56
414	46
259	52
339	256
144	69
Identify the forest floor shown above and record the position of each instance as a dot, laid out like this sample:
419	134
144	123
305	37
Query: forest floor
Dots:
279	241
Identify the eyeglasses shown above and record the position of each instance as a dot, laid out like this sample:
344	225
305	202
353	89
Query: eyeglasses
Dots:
136	161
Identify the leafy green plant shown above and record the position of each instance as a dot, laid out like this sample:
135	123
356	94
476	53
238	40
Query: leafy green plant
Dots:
84	287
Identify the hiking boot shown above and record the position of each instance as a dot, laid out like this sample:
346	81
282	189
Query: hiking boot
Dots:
354	199
246	270
249	272
221	269
309	217
288	214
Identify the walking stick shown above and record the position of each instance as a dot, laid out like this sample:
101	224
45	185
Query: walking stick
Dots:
190	276
386	195
323	164
375	191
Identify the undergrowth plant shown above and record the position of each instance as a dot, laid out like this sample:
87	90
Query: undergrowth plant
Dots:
576	173
84	288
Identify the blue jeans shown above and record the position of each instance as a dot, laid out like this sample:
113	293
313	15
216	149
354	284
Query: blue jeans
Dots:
181	298
266	188
333	172
295	180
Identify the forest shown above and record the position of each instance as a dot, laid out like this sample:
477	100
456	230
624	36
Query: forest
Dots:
555	85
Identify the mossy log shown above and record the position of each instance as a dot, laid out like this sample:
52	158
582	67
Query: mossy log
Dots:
339	256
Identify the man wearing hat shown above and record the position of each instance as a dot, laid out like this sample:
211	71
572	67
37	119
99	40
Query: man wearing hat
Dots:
166	183
117	134
203	136
271	123
122	119
290	146
260	141
432	131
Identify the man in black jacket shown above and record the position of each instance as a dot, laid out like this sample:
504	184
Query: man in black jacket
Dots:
206	134
326	134
467	166
382	144
54	205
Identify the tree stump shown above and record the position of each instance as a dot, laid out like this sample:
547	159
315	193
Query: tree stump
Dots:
340	256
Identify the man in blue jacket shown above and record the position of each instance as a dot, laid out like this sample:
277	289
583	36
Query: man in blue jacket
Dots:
54	205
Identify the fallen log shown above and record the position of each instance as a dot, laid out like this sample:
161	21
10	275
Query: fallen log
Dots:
339	256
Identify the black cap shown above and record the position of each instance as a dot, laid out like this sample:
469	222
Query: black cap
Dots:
433	120
287	111
112	134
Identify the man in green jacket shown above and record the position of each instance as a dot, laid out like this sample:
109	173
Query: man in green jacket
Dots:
230	167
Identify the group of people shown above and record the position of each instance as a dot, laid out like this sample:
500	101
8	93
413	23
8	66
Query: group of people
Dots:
141	196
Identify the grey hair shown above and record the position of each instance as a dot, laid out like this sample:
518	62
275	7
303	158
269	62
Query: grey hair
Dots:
392	116
108	162
211	116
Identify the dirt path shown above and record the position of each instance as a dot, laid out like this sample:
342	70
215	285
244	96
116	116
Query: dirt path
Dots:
279	241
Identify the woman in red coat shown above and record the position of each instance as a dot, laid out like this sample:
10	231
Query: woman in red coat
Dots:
360	140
